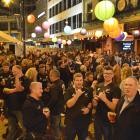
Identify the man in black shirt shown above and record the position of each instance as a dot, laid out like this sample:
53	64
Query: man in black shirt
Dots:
34	115
5	75
106	100
78	107
42	77
56	103
15	95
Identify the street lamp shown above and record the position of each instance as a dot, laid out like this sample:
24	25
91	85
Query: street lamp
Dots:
22	5
7	2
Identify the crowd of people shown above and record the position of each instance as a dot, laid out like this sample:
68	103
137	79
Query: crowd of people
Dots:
83	87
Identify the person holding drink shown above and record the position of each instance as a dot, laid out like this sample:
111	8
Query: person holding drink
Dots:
126	118
35	115
105	100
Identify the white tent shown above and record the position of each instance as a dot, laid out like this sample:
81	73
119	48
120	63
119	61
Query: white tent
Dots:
7	38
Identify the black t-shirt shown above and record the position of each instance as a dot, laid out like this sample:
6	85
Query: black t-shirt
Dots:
4	77
33	117
15	100
74	113
112	92
43	79
56	102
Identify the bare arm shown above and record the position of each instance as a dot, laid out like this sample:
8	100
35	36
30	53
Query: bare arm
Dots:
111	104
71	102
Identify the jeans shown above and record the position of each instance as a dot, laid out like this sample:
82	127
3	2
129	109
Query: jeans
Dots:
55	126
102	130
15	121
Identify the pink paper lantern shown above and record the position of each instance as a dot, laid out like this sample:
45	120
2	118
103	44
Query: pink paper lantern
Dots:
46	25
46	35
69	42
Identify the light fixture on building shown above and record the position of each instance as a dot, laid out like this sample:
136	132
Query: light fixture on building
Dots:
31	18
67	29
38	29
83	31
126	34
104	10
46	25
98	33
7	2
59	41
121	37
136	32
54	39
46	35
69	42
33	35
64	42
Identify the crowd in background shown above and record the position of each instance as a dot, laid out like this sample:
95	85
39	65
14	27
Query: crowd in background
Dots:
17	74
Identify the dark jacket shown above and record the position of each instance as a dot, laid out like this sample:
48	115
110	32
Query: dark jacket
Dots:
127	126
33	118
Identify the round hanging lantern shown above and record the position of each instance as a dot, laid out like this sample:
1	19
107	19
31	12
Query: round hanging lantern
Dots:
104	10
38	29
54	39
33	35
46	25
111	24
46	35
67	29
126	34
64	42
83	31
136	33
115	34
98	33
59	41
31	18
121	37
69	42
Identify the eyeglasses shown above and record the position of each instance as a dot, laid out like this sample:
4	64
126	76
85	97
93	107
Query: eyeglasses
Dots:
108	73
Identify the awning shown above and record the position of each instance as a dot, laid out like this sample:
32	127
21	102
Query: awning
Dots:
7	38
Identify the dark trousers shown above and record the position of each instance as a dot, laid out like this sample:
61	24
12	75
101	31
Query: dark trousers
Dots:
37	136
15	121
102	130
76	128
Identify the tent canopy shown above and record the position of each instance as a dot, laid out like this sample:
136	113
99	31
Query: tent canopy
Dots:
7	38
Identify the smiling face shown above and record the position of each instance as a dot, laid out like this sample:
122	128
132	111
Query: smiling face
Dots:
108	75
130	87
78	82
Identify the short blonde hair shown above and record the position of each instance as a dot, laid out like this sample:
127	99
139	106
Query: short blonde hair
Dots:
31	73
77	75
